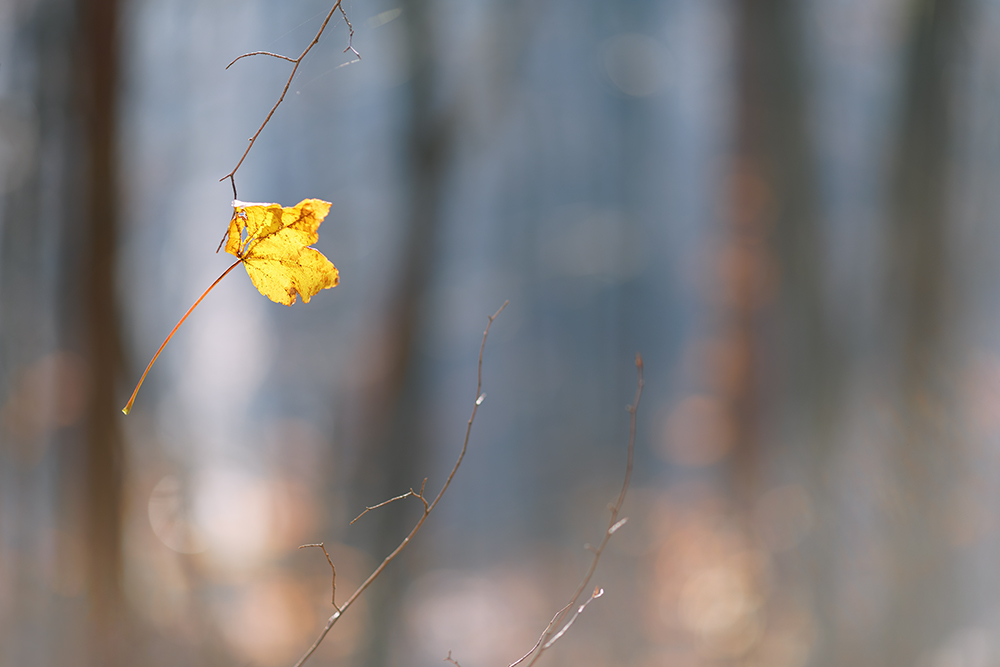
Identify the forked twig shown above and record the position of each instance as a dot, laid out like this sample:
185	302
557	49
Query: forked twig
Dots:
549	635
428	507
350	34
297	61
333	593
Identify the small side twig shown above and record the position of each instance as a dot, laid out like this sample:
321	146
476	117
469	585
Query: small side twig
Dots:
260	53
452	660
428	507
297	61
409	493
350	33
333	593
598	592
550	636
548	627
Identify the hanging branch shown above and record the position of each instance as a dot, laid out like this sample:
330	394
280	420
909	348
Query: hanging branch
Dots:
297	61
428	507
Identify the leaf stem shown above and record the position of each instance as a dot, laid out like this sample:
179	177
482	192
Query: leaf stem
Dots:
131	400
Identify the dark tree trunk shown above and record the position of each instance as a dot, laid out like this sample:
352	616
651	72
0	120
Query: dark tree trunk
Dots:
777	317
923	588
779	320
57	290
33	199
393	454
97	78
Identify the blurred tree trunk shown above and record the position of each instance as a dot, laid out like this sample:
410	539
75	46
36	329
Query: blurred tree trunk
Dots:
775	256
57	288
97	78
36	119
780	318
923	592
393	454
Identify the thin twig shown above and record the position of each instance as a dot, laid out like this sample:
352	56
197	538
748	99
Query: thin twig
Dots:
333	594
350	33
598	592
544	632
298	61
428	508
452	660
548	638
260	53
409	493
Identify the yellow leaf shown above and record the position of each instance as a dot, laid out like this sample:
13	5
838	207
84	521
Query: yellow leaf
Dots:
273	243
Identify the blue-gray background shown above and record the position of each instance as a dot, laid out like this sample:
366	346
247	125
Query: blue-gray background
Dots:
788	207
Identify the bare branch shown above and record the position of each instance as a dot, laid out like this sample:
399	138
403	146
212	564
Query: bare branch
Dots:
297	61
452	660
333	594
428	508
548	639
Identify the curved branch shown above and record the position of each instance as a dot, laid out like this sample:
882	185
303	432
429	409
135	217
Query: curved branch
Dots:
260	53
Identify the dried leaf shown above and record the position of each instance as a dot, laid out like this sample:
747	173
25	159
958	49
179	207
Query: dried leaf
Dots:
273	242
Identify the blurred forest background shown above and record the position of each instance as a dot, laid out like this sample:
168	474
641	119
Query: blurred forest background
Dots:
788	206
